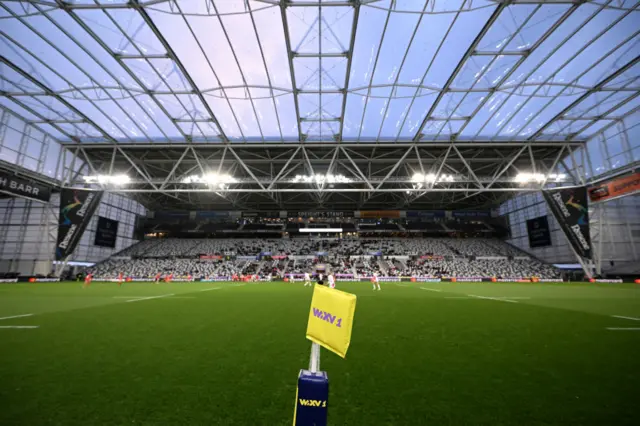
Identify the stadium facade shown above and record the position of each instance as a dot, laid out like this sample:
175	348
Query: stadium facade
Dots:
319	107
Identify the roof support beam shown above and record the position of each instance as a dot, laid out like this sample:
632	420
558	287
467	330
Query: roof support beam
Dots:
477	143
139	6
298	190
492	19
585	95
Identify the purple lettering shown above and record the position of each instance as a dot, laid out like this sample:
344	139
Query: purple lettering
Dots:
329	318
326	316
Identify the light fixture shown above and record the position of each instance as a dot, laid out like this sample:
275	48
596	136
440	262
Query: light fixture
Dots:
329	178
431	178
211	179
108	180
539	177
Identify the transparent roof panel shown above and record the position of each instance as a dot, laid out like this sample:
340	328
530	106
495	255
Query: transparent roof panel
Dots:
263	71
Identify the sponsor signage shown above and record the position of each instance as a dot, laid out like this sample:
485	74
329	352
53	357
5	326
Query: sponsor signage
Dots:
106	232
428	280
426	213
210	257
319	214
24	188
8	280
602	280
538	230
44	280
271	215
128	279
617	187
175	214
209	214
76	208
569	207
482	213
373	214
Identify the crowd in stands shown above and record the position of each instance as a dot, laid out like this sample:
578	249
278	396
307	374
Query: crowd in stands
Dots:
440	257
462	267
175	247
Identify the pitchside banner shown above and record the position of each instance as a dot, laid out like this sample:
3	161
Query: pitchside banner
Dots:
76	208
569	207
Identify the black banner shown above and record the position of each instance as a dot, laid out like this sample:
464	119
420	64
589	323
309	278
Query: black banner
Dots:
76	208
569	207
106	232
14	185
538	229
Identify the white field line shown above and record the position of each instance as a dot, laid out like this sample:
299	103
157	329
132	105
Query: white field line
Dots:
492	298
149	298
624	328
209	289
430	289
458	297
238	285
614	316
19	326
129	297
512	298
16	316
181	297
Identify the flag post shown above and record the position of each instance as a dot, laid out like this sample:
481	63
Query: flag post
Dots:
314	359
330	324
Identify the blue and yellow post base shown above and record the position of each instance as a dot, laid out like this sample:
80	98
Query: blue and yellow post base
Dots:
312	394
312	399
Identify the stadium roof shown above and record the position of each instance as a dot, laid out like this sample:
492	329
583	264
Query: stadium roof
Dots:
371	93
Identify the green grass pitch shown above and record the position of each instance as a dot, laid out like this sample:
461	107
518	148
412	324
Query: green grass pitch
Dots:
421	354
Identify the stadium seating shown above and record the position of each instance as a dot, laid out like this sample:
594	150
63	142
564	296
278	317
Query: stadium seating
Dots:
455	257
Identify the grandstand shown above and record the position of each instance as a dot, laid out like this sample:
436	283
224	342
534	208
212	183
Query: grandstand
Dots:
481	158
469	257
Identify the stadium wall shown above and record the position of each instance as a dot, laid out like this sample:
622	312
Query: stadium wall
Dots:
621	233
28	229
615	148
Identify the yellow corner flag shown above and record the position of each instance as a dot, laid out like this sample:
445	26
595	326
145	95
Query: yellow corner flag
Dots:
331	319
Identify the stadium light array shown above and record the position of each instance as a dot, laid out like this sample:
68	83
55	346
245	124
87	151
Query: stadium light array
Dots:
222	181
431	178
329	178
108	180
539	177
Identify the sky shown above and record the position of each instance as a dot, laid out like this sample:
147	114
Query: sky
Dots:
534	63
